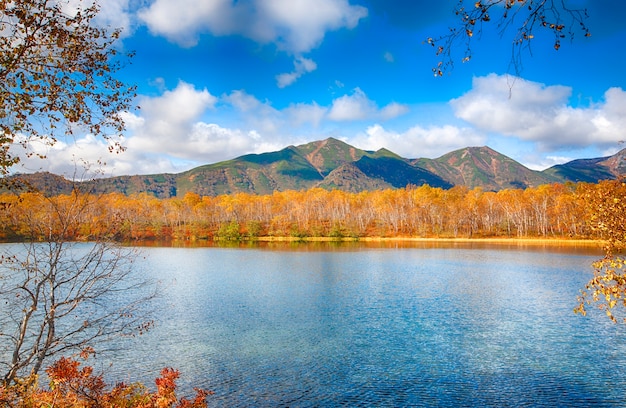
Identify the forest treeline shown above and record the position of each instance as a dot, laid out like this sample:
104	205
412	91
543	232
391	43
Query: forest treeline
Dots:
556	210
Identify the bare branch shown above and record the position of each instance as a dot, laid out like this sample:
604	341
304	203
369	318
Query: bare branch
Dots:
520	20
59	296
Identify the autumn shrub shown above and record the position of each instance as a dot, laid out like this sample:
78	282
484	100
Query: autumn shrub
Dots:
336	232
254	229
74	386
229	231
296	232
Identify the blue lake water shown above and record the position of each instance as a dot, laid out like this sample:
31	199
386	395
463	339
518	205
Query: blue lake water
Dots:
354	325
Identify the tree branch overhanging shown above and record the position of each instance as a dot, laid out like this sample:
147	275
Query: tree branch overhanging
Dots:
519	20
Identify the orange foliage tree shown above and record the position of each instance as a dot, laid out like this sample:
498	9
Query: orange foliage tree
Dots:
546	211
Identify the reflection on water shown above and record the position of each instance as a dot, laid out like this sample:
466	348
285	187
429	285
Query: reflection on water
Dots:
325	245
366	325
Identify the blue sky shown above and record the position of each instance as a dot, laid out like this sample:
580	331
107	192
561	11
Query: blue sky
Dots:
217	79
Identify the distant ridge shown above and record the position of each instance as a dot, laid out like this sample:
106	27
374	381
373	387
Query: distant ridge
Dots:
333	164
484	167
591	170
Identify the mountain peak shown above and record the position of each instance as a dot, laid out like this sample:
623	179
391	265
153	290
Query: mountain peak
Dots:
483	167
326	155
332	163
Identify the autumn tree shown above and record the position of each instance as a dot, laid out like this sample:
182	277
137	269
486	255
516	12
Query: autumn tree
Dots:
57	76
517	20
606	213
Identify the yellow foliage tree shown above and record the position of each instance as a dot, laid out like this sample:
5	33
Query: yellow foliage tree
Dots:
606	212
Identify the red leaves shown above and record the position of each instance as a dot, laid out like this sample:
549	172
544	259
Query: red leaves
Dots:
74	386
74	383
166	388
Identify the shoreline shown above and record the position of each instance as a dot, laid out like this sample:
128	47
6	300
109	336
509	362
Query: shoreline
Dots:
538	240
519	241
495	241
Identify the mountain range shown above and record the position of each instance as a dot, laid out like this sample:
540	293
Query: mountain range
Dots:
333	164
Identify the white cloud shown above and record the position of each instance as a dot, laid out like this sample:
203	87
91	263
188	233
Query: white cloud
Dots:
166	121
393	110
210	142
389	57
358	106
541	114
257	115
112	14
302	113
84	157
116	14
181	21
174	124
242	101
301	66
182	104
132	121
300	25
418	141
352	107
294	25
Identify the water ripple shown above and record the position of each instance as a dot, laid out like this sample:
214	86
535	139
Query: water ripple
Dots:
412	327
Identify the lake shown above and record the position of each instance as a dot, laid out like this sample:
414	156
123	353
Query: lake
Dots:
327	324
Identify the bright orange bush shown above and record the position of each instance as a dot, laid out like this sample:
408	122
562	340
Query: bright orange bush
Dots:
73	386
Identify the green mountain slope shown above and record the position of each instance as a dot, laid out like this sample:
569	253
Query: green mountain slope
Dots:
327	155
334	164
378	172
262	173
591	170
399	173
483	167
